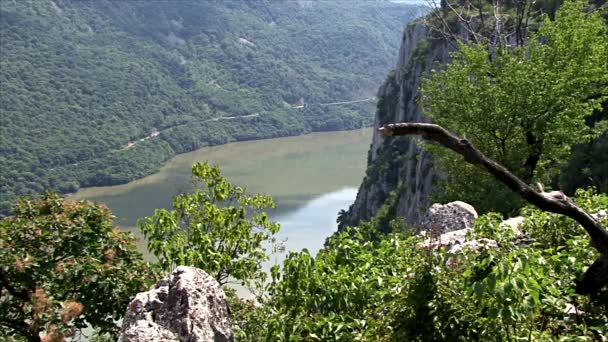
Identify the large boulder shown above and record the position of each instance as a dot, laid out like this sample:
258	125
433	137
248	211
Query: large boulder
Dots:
447	226
443	218
515	224
187	305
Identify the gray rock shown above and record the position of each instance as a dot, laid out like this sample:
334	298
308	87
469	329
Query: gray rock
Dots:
600	215
474	245
187	305
443	218
447	239
514	223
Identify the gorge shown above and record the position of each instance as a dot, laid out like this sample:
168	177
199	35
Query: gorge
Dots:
88	79
123	103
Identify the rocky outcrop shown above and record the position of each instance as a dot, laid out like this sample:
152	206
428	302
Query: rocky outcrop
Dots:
398	164
514	223
187	305
443	218
448	225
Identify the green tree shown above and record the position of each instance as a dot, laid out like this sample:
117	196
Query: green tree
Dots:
217	228
399	288
63	264
523	106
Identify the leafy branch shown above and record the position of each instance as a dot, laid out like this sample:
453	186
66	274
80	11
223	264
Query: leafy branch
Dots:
555	201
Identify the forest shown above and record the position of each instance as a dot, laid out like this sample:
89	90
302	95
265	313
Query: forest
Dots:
82	80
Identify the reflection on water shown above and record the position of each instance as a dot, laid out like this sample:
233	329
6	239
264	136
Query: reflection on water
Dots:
312	223
311	178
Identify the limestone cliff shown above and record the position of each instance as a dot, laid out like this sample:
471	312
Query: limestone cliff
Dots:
400	177
399	174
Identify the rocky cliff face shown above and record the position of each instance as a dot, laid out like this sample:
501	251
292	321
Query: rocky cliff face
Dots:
399	176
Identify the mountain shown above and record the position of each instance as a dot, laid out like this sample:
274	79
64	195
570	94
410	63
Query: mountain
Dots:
400	177
103	92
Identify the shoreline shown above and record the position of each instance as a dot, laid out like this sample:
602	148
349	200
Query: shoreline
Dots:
101	190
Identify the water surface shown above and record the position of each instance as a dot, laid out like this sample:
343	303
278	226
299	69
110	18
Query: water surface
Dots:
311	178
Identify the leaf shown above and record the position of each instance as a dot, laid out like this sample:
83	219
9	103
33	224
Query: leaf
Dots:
478	289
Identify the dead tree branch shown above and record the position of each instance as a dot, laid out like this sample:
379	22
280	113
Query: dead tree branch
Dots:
556	202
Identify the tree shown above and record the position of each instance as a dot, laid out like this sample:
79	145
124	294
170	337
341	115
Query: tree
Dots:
63	264
524	106
217	228
596	276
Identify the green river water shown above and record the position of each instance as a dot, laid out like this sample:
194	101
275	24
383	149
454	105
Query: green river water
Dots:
311	178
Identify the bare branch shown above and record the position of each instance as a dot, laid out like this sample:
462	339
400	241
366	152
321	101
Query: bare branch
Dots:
556	202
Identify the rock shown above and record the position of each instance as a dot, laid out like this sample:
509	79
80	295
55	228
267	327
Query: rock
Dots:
443	218
448	239
600	215
474	245
187	305
514	223
456	241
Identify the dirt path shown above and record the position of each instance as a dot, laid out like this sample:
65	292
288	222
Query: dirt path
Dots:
346	102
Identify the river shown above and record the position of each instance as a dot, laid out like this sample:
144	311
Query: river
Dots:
311	178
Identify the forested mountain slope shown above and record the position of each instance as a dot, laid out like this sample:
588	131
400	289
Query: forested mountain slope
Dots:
80	81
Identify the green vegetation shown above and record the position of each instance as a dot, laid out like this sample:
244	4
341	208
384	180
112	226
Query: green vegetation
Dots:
63	265
524	107
364	285
393	289
79	80
217	228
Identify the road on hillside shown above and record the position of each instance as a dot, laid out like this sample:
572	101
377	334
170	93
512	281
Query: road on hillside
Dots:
154	134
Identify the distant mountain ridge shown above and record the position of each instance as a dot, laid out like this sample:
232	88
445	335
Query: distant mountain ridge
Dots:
81	81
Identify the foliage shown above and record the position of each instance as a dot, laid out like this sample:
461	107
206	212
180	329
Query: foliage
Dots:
523	106
248	319
342	293
218	228
395	289
82	79
588	164
63	264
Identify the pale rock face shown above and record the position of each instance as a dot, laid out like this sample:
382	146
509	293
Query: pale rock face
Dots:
448	240
514	223
417	57
600	215
474	245
448	225
443	218
187	305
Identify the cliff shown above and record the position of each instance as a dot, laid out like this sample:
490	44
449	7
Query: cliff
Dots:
399	176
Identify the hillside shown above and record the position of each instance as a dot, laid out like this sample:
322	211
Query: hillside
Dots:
100	93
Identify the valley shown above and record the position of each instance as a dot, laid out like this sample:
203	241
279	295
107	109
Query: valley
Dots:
202	170
101	93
